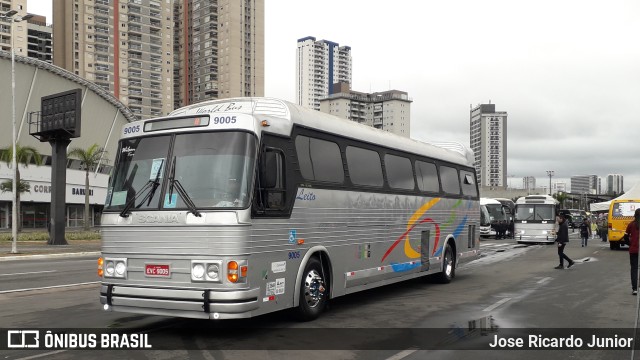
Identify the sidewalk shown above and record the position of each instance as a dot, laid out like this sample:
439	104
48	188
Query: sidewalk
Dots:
40	249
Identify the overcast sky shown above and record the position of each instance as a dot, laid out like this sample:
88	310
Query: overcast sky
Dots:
566	71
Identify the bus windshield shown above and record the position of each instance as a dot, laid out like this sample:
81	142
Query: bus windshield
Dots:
213	168
537	212
496	211
485	218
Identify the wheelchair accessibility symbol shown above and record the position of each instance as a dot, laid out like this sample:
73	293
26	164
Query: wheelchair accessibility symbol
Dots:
292	236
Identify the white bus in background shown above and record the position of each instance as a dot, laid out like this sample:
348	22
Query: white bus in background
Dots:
496	214
485	221
535	220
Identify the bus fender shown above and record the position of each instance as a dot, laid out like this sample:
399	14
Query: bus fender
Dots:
312	251
450	240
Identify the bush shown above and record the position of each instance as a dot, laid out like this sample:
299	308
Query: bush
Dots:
44	236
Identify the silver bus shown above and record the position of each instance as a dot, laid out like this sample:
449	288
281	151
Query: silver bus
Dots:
535	219
240	207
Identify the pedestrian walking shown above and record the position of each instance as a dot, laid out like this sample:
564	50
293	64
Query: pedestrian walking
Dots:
585	229
562	240
604	229
632	235
594	230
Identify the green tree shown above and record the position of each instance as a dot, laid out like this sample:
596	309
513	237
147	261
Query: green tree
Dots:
90	158
24	155
561	197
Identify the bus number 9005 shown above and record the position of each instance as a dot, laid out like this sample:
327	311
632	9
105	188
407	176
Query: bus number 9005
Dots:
224	120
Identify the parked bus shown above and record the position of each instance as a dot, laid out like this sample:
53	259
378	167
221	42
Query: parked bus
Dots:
497	214
510	209
620	215
240	207
485	221
535	219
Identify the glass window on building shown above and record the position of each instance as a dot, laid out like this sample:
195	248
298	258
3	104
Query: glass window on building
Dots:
75	215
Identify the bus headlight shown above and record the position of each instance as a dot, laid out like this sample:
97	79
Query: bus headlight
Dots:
109	269
115	268
197	271
213	271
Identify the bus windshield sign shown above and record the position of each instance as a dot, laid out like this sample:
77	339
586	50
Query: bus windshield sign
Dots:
165	124
625	208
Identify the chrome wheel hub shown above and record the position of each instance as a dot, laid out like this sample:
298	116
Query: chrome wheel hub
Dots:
313	288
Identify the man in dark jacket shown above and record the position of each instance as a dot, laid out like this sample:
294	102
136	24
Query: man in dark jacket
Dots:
632	234
562	240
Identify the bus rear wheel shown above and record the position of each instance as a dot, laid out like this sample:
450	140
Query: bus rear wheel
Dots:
449	266
313	291
614	245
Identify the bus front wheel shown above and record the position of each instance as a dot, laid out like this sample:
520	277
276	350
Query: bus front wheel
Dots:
449	266
313	291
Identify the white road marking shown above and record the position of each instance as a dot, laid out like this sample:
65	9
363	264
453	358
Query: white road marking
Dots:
402	354
30	272
544	280
42	355
492	307
48	287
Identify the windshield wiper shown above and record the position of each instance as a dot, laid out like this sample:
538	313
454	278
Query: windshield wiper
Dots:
152	184
181	191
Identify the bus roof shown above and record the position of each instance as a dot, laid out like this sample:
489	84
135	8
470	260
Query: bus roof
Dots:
537	199
487	201
282	115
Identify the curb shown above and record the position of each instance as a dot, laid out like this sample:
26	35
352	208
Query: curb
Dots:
48	256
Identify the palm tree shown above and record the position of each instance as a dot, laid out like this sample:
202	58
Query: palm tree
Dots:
24	155
90	158
561	197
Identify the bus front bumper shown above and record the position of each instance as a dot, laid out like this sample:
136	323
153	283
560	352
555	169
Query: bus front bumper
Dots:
197	304
535	238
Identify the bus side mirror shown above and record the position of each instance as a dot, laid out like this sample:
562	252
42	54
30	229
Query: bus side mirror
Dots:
270	169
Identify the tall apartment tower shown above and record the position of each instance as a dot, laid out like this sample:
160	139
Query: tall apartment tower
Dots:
388	110
39	42
529	182
219	50
319	65
615	184
124	47
13	33
488	134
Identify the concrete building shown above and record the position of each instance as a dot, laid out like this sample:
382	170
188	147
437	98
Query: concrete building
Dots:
528	182
14	32
584	184
126	49
102	119
615	184
319	65
559	187
488	137
219	50
388	110
39	39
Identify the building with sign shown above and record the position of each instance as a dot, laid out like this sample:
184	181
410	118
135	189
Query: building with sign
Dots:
102	119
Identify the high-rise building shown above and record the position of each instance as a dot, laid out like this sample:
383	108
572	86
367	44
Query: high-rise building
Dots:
13	32
488	135
584	184
615	184
219	50
39	45
559	187
319	65
388	110
127	49
529	182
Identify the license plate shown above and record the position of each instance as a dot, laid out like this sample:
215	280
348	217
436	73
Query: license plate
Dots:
157	270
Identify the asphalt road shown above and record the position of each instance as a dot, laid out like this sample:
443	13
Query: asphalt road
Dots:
510	287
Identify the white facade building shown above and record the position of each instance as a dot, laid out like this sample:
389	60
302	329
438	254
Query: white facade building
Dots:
388	110
319	65
584	184
488	133
529	182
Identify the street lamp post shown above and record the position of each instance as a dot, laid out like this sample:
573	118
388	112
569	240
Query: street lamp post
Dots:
550	174
14	207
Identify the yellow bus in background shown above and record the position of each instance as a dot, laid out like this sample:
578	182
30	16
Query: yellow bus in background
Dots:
620	215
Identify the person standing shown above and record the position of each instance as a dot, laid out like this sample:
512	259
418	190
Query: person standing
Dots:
594	229
585	229
632	233
562	240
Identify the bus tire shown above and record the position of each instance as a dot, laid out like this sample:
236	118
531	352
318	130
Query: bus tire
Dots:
614	245
448	266
313	291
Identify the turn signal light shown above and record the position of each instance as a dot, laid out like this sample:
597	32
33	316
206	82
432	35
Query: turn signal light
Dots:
232	271
100	270
243	270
